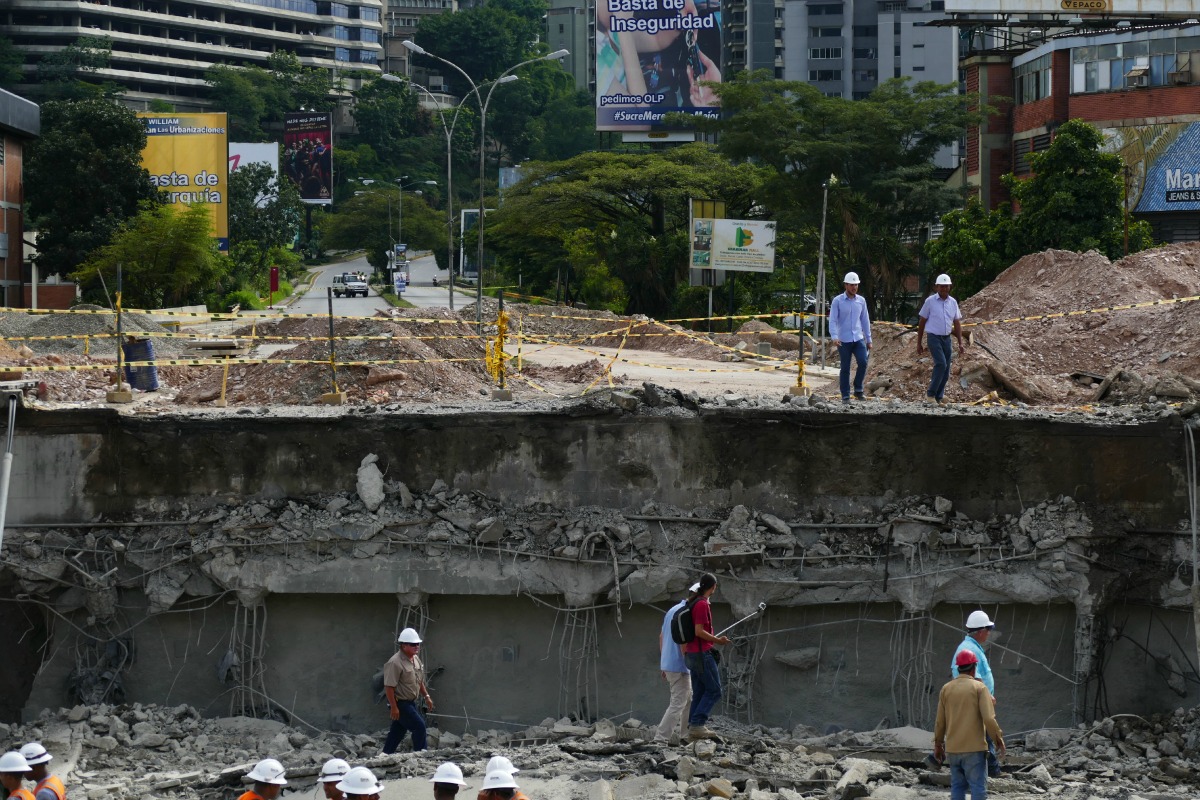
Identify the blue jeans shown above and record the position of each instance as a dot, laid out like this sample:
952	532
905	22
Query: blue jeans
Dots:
968	770
859	351
706	686
942	350
409	720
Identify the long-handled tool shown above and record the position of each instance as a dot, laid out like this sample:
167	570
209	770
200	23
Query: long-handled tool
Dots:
761	608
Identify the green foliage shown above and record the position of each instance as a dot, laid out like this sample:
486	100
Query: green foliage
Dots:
386	113
541	115
11	60
484	41
68	73
83	178
168	258
264	214
880	151
973	247
366	221
255	98
245	298
1074	199
614	225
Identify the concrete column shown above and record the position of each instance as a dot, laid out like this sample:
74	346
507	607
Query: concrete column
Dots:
1085	650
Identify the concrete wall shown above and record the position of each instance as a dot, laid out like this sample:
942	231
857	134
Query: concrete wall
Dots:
72	465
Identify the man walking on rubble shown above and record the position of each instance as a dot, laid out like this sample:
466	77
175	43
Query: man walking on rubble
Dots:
674	670
698	653
979	629
965	718
404	685
48	787
939	317
850	329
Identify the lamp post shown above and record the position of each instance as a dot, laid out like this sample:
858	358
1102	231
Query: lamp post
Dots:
505	77
824	319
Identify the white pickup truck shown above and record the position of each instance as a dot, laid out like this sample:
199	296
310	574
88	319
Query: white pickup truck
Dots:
348	284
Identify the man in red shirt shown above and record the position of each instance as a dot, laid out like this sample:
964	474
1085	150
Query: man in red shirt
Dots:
706	680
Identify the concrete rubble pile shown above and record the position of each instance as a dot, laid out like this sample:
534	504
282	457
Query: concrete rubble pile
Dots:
135	751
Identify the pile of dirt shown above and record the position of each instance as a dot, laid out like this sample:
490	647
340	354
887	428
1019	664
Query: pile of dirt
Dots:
587	328
1064	360
74	333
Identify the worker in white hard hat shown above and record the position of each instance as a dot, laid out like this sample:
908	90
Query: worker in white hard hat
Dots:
850	330
500	785
939	318
13	772
501	764
447	781
964	729
331	775
979	629
404	685
360	784
48	787
269	780
672	665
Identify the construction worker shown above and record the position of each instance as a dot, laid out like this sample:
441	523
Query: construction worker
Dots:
979	629
360	784
49	787
447	780
331	774
404	685
939	317
499	785
13	770
269	780
674	670
850	330
706	680
502	764
965	717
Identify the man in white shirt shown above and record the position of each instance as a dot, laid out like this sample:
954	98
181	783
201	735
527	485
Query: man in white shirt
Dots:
850	329
939	318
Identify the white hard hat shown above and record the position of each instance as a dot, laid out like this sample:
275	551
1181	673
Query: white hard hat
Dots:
695	587
360	780
409	636
268	771
502	764
943	280
34	753
13	761
979	619
448	773
334	770
851	277
499	779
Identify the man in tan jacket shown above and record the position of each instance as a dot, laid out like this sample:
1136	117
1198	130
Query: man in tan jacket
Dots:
964	716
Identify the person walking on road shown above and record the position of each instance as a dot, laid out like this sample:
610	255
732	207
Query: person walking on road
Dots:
965	718
939	317
674	670
48	787
850	329
404	685
698	654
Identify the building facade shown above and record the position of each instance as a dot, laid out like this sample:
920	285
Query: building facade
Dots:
20	122
401	20
571	26
1141	88
754	36
162	48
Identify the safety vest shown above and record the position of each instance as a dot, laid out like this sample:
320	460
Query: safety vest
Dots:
52	783
251	795
21	794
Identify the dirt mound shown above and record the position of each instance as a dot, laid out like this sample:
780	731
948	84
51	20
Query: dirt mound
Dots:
1064	360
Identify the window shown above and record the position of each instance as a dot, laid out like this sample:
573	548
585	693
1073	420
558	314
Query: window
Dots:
918	69
824	9
823	33
918	47
824	52
815	75
865	52
562	28
1032	80
868	75
866	31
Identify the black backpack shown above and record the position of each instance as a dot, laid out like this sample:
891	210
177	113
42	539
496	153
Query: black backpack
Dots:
683	630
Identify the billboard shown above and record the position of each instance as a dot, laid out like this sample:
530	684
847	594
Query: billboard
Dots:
308	155
1163	162
733	244
185	155
651	57
467	251
1134	8
243	153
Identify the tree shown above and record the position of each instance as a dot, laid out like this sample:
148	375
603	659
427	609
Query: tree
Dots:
257	98
68	73
615	224
365	222
881	151
167	255
83	178
264	214
484	41
386	114
973	248
1075	198
11	60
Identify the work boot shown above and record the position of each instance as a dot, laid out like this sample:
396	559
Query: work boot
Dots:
859	396
929	401
932	764
697	732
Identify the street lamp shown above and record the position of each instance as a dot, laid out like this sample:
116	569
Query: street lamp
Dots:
824	318
505	77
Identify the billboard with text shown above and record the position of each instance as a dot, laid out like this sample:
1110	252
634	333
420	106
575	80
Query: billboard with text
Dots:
308	155
733	244
1163	162
185	155
652	59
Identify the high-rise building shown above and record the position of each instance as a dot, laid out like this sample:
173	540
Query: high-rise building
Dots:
162	48
571	25
400	22
754	36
